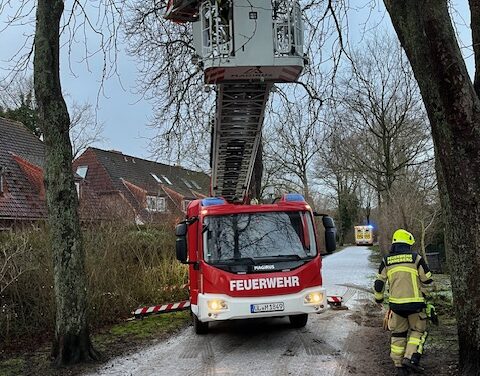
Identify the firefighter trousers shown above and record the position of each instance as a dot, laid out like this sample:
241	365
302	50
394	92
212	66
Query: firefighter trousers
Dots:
408	335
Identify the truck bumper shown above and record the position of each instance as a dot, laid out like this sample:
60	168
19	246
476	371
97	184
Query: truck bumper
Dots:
242	308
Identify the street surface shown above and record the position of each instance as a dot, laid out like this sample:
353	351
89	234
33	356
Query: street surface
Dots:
269	346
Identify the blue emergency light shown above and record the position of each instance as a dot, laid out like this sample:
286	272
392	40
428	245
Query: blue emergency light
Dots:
293	197
211	201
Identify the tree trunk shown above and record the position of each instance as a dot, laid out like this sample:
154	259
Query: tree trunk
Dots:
72	341
426	32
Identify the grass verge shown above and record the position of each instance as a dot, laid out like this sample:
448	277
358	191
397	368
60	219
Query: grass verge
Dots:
116	340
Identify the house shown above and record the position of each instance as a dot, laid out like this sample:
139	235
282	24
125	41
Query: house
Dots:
22	190
137	189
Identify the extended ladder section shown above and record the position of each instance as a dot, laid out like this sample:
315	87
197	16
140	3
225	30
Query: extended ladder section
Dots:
236	137
243	47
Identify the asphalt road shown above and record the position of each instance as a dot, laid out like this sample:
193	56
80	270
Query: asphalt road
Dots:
267	346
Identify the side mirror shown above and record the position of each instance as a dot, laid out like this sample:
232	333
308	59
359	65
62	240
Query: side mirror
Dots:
328	222
181	229
181	242
330	242
330	234
181	249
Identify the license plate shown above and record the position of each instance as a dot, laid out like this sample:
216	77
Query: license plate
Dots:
267	307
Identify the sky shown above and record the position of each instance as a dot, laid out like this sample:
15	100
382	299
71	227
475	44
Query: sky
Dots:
125	114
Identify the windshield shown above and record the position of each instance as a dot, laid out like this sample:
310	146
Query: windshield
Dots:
272	235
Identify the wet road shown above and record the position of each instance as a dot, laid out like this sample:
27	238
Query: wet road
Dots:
267	346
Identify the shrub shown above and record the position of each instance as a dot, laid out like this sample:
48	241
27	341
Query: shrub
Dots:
126	267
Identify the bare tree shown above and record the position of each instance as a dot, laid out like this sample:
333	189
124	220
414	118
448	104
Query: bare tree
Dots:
172	80
12	263
452	102
381	111
72	340
172	83
17	102
85	129
336	171
292	140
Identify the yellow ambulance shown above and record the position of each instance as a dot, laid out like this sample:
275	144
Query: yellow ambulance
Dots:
363	235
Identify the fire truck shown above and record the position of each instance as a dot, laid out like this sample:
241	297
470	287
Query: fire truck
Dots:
247	261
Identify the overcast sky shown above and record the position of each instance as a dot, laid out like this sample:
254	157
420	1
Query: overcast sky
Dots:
126	114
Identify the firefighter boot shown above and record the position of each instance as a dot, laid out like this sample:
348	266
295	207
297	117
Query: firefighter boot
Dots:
413	364
402	371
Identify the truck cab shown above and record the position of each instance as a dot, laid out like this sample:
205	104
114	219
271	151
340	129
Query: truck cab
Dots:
249	261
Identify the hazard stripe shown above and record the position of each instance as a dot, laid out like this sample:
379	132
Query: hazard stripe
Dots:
334	299
162	308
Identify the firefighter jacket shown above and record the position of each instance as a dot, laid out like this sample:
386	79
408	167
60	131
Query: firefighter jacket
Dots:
406	273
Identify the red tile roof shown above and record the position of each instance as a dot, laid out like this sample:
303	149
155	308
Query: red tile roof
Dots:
22	155
132	178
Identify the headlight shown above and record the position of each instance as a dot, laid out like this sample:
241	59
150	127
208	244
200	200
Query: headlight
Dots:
217	305
313	298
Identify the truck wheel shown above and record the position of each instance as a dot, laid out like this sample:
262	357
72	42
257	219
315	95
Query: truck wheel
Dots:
200	327
298	321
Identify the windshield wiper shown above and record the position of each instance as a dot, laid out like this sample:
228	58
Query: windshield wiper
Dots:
239	261
288	257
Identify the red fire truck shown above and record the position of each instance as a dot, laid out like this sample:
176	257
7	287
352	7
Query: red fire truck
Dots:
247	260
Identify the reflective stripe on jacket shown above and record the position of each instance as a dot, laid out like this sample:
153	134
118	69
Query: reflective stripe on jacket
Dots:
405	272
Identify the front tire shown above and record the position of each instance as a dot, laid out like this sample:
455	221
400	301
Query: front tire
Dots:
298	321
199	326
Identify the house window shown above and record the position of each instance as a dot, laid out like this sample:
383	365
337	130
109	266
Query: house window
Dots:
82	171
185	204
77	187
187	183
195	184
166	179
157	179
156	204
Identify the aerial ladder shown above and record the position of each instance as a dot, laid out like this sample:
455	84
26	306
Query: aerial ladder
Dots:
244	47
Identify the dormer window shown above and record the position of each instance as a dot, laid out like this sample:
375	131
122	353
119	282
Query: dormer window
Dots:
82	171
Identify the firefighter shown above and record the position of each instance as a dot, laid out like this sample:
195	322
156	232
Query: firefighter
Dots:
406	273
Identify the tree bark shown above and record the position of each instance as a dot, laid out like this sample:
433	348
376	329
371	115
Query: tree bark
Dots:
427	35
72	341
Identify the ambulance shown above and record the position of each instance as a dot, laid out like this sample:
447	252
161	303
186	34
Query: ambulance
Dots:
363	235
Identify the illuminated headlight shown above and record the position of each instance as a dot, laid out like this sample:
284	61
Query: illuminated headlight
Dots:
313	298
217	305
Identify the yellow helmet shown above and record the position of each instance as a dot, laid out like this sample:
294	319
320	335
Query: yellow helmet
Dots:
403	236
